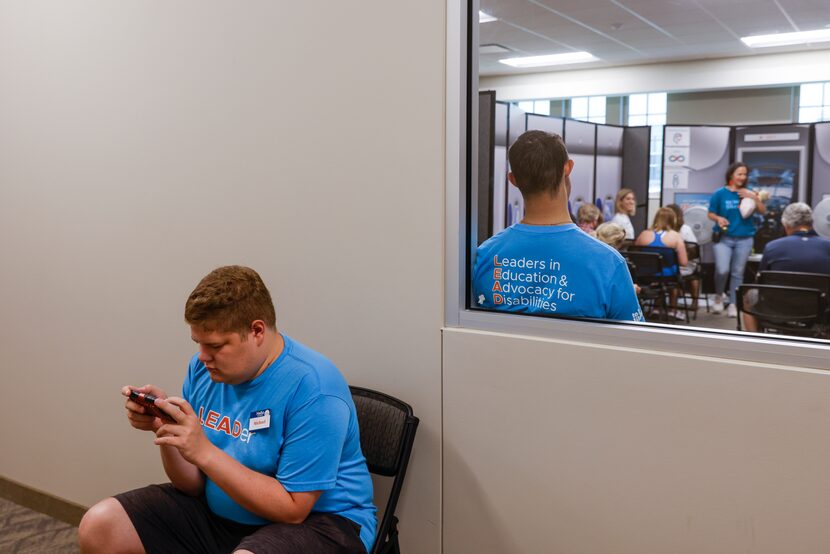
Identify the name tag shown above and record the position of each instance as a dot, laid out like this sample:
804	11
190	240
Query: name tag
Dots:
260	419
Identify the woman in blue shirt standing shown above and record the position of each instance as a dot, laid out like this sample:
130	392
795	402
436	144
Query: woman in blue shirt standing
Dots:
735	245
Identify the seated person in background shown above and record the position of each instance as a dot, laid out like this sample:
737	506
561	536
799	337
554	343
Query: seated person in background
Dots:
625	205
680	226
801	250
587	218
687	235
263	450
545	264
663	235
611	234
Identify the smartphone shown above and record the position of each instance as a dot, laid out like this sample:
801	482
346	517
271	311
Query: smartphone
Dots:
148	401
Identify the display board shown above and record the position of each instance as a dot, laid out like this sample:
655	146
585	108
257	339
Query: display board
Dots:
609	167
483	199
602	161
516	121
778	161
635	171
777	156
499	169
821	164
695	159
580	137
536	122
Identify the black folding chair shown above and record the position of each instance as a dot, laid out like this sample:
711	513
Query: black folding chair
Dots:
820	281
784	310
387	432
668	259
693	253
644	266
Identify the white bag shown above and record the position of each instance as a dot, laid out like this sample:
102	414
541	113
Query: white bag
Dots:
747	206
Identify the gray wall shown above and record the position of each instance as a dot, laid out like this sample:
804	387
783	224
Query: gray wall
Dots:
144	144
732	107
561	446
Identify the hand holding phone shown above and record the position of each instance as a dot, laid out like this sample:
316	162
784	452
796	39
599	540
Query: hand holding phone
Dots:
149	402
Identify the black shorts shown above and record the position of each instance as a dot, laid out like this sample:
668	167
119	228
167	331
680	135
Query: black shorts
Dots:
168	521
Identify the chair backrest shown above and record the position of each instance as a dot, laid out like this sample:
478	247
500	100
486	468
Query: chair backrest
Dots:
792	310
692	250
648	265
669	254
387	432
820	281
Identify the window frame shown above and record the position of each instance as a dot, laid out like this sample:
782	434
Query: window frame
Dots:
823	108
461	134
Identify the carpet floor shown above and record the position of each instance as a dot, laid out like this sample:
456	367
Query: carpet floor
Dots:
25	531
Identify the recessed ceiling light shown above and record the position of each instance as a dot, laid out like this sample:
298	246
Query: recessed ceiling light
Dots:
784	39
550	59
485	18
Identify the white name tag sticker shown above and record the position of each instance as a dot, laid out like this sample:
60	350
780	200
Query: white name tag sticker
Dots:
260	419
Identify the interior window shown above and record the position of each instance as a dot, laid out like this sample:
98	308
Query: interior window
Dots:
691	257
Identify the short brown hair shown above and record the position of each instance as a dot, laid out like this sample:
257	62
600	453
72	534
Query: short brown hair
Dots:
229	299
664	220
537	161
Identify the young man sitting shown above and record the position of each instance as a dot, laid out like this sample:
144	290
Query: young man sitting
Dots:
262	450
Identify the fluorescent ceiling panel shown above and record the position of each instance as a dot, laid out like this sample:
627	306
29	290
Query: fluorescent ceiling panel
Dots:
550	59
785	39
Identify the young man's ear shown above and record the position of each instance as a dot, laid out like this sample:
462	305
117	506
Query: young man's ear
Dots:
512	179
569	166
258	328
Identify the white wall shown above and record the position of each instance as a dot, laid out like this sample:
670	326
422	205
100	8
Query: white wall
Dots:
143	144
724	73
556	446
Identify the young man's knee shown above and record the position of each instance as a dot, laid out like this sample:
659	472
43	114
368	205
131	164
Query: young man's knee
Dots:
106	527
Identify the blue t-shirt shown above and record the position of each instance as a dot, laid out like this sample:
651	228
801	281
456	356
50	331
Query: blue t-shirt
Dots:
725	203
311	442
553	270
802	251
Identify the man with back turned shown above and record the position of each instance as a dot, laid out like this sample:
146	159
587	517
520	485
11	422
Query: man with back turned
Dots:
545	264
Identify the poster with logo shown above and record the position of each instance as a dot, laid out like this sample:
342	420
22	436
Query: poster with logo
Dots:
676	179
676	157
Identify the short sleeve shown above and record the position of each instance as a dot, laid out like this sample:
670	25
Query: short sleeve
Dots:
314	439
187	385
713	204
624	305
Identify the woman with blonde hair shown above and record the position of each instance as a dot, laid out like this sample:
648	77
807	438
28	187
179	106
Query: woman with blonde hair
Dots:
611	234
624	207
663	235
